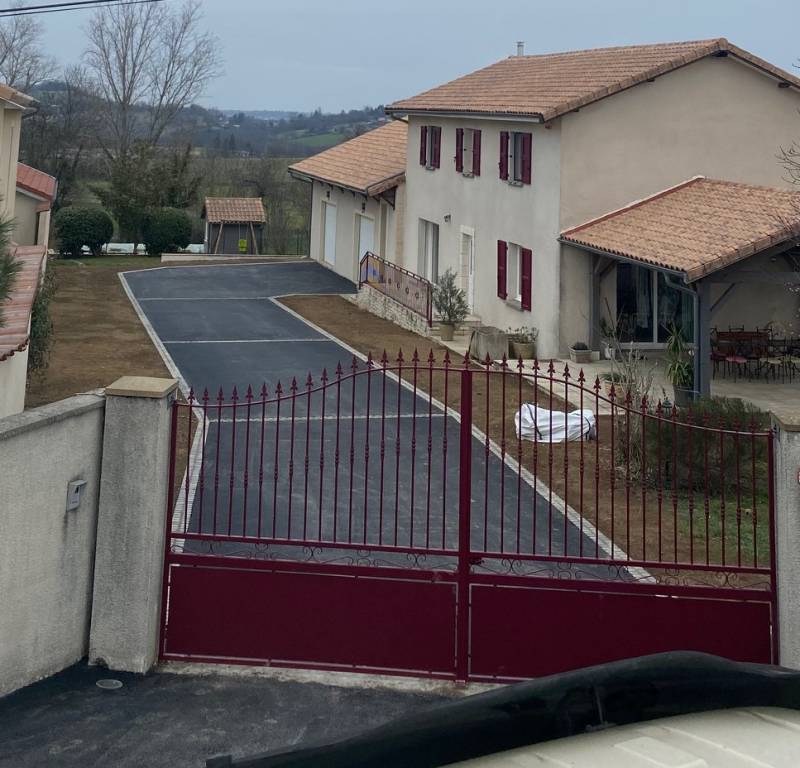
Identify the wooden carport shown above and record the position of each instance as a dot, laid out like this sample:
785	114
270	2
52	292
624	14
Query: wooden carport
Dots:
234	225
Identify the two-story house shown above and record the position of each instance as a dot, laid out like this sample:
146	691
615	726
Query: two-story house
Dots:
535	179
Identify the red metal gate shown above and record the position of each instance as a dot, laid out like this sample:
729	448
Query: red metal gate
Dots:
391	518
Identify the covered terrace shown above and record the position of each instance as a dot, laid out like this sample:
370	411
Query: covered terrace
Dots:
719	260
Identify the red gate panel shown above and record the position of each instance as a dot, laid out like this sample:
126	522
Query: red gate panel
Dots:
542	628
312	616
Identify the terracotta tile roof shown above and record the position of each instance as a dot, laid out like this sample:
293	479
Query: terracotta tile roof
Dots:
696	227
233	209
36	182
550	85
14	333
370	163
15	97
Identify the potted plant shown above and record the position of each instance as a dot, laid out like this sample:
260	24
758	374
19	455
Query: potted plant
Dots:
680	369
613	379
450	304
579	352
522	342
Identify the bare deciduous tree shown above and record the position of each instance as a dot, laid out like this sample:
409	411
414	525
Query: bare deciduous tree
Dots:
23	63
57	137
148	62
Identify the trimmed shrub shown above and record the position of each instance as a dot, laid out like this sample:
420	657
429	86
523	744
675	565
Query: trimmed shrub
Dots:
449	300
166	230
678	453
41	337
76	226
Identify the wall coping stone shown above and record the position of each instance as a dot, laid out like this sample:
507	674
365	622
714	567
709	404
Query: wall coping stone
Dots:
51	413
142	386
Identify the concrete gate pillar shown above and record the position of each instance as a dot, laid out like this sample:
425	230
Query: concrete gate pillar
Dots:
787	535
129	558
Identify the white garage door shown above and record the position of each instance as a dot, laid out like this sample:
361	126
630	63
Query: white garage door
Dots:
329	228
366	236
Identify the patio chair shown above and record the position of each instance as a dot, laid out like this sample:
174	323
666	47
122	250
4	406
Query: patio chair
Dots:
729	343
775	361
717	355
755	348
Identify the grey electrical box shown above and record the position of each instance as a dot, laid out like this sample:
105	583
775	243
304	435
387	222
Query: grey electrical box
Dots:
74	493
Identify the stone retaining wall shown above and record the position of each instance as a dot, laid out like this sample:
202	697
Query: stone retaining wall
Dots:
378	304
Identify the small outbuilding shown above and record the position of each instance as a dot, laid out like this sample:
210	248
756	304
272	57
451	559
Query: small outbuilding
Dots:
234	225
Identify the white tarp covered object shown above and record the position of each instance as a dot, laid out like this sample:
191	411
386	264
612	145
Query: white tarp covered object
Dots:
534	423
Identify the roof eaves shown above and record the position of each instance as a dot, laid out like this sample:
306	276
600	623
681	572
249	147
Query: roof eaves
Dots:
373	190
744	252
622	255
305	176
633	80
397	109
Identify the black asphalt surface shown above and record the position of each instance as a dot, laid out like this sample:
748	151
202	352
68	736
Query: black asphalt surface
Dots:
384	474
180	720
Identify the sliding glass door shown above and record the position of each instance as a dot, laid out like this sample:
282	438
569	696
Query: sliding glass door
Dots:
648	308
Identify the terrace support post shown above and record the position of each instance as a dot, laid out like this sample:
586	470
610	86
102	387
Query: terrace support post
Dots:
702	358
129	558
786	538
594	323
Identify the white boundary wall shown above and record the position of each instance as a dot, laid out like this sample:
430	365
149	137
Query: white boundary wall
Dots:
47	553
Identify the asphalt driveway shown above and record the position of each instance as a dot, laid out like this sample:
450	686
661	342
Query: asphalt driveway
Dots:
384	470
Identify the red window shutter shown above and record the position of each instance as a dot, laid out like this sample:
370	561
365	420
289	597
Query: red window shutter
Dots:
459	149
423	145
502	248
527	144
504	155
526	277
476	153
436	137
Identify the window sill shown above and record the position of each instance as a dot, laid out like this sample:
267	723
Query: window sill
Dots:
515	183
468	174
514	304
431	168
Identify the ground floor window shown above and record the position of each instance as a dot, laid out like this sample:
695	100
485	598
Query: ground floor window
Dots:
428	256
514	273
648	307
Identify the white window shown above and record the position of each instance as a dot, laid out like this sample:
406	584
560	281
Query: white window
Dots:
428	257
513	273
517	153
467	154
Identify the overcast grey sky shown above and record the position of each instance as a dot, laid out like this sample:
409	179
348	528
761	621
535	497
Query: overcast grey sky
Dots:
341	54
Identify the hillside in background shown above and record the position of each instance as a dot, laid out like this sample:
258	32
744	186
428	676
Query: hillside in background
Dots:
274	133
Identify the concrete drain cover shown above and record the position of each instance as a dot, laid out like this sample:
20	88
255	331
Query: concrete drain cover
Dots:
109	684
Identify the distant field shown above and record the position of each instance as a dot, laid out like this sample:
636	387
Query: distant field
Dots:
321	140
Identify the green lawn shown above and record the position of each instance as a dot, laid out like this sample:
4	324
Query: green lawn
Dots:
124	261
320	140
